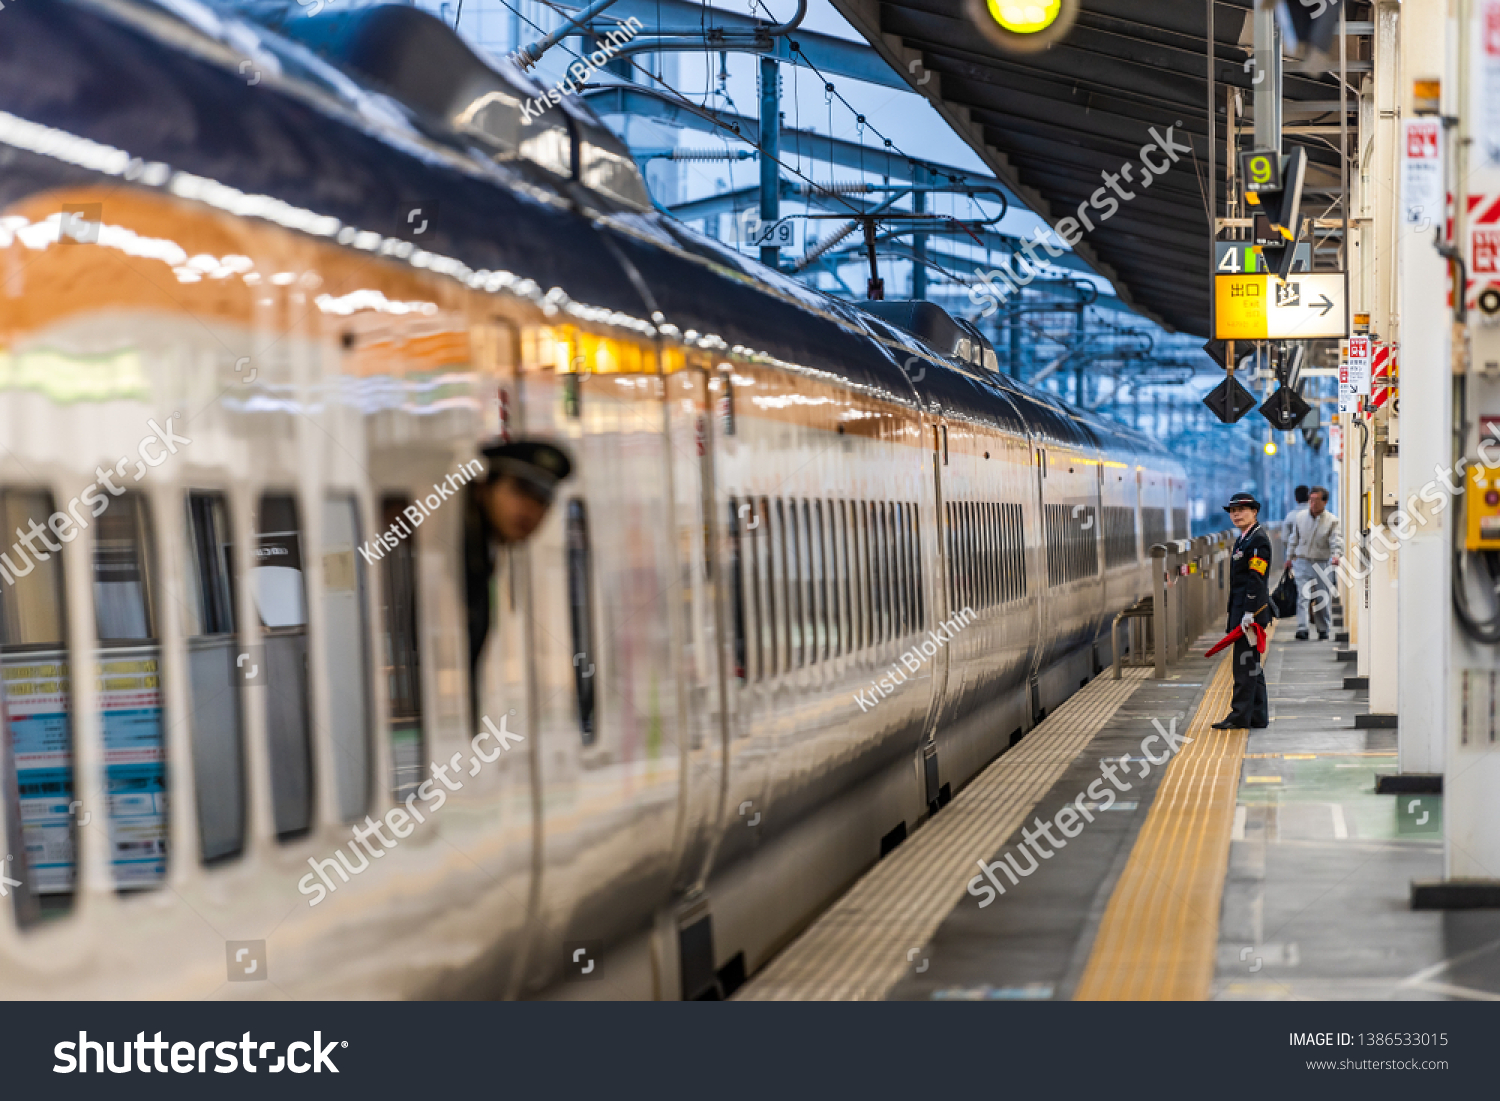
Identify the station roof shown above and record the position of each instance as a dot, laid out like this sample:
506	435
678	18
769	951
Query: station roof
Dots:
1048	124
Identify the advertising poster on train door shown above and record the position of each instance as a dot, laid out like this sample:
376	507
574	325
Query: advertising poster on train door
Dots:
129	689
36	710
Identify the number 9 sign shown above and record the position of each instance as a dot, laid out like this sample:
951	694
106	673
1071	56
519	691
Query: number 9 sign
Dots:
1261	169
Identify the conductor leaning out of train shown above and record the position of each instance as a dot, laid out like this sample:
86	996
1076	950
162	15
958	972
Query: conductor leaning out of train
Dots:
504	510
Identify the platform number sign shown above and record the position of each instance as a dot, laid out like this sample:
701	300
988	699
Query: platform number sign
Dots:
1261	170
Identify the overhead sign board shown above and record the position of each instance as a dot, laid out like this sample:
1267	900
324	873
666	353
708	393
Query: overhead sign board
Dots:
1309	306
1261	169
1244	258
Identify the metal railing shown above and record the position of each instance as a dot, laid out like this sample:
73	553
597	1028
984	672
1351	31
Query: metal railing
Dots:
1189	589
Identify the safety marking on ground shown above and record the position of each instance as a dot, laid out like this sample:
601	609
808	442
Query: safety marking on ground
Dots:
869	939
1160	932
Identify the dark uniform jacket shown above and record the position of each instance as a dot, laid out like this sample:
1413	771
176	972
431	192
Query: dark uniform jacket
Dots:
1248	564
479	568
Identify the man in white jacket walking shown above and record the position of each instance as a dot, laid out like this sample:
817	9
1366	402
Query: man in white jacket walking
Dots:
1314	544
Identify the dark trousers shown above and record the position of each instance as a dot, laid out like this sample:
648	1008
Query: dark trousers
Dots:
1251	701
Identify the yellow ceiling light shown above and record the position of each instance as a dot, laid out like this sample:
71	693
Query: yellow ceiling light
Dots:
1025	16
1023	26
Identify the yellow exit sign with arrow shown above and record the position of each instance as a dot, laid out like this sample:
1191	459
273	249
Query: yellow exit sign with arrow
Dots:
1262	307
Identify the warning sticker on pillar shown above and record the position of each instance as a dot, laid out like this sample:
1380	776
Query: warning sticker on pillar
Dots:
1356	370
1422	172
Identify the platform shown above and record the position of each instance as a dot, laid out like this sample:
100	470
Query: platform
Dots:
1256	865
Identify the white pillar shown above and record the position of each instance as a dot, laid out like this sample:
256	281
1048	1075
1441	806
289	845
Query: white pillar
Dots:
1423	437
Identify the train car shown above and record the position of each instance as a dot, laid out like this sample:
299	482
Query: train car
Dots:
267	289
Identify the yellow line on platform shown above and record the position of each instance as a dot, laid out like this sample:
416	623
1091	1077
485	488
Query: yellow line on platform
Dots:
1160	933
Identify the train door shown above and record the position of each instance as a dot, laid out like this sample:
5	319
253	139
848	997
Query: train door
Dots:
504	691
1037	545
604	588
938	601
692	395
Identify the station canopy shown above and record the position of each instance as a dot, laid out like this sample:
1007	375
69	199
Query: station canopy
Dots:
1050	123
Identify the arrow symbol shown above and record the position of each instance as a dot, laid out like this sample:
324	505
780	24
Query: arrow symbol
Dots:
1325	302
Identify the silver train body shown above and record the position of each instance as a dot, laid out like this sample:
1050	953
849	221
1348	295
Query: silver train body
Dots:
810	574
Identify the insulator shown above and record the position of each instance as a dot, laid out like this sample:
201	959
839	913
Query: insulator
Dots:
707	155
824	245
835	187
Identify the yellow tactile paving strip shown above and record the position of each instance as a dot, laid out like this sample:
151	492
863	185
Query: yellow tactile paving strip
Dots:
861	947
1160	933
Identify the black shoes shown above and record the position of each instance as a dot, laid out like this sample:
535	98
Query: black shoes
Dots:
1301	636
1231	723
1322	636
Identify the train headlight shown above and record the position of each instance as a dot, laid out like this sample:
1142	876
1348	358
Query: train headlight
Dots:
1270	448
1023	26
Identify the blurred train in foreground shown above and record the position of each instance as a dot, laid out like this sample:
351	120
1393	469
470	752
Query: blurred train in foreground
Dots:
264	295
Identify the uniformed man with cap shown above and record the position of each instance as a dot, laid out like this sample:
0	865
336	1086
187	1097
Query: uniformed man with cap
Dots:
1249	603
503	511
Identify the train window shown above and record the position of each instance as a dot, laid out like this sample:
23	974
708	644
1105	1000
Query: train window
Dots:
981	556
281	601
952	567
902	568
965	587
129	686
913	574
1180	524
402	657
214	679
917	569
1119	536
1071	543
1153	527
764	579
817	606
35	674
775	573
792	560
737	589
884	631
402	662
873	580
581	615
827	582
861	515
908	567
990	554
345	656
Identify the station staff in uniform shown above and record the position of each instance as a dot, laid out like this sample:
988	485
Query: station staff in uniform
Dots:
1249	603
504	511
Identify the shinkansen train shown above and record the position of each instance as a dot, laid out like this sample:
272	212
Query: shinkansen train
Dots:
268	288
